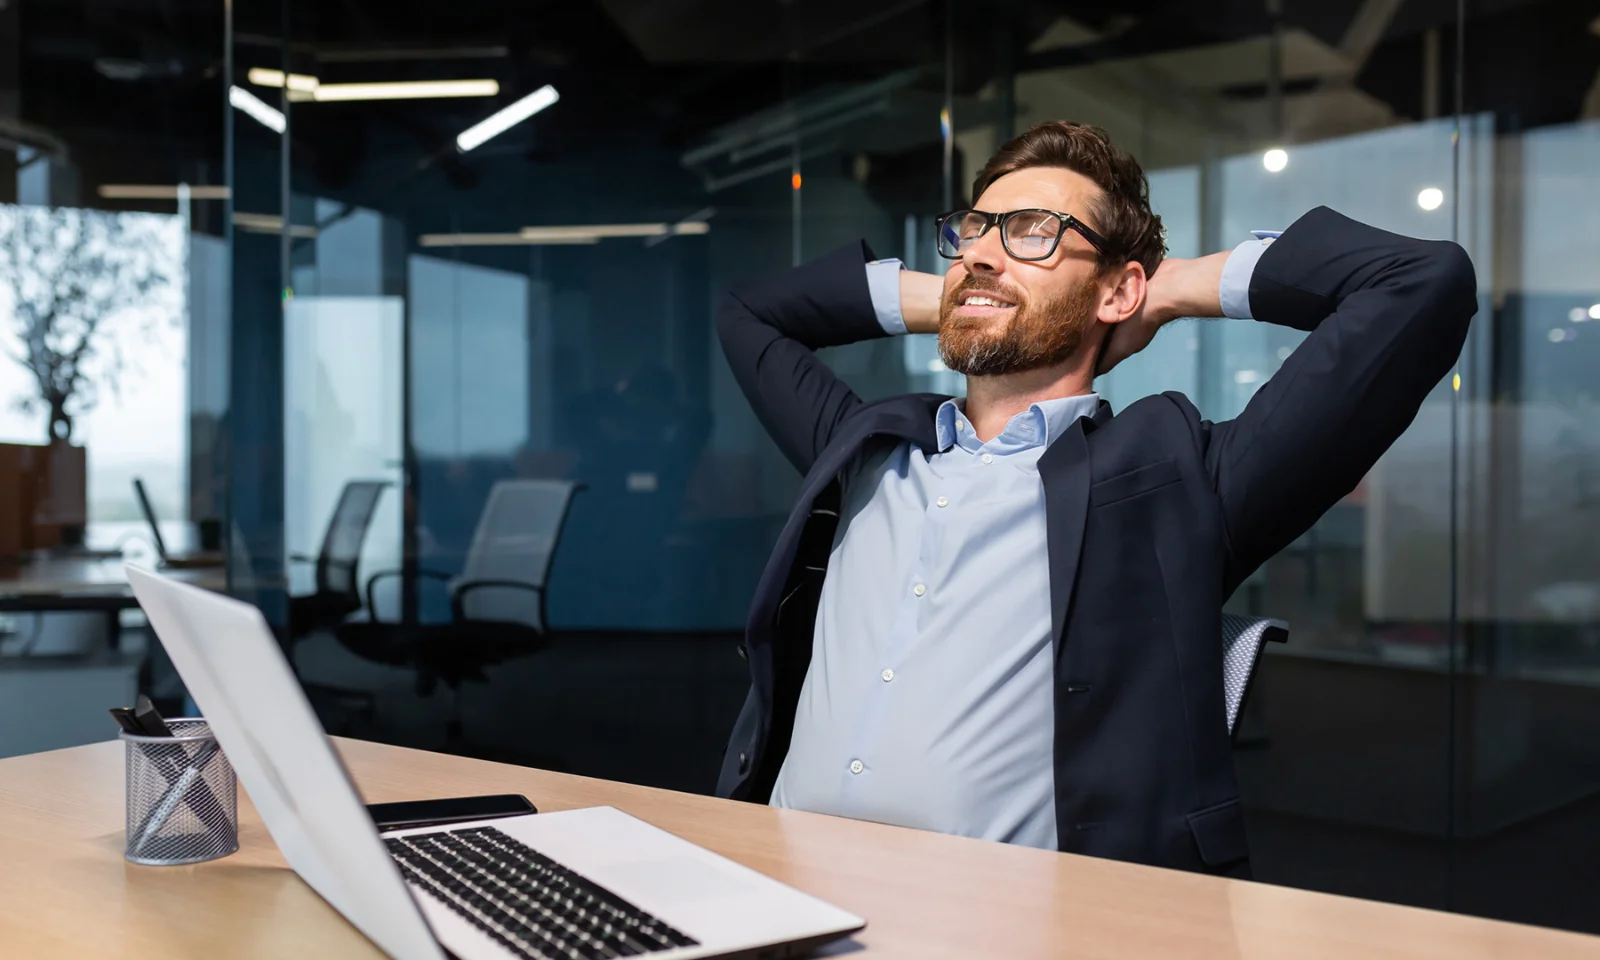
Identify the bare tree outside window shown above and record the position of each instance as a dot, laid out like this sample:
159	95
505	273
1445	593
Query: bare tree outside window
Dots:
69	279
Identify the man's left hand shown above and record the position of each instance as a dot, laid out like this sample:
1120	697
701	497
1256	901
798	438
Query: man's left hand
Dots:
1178	288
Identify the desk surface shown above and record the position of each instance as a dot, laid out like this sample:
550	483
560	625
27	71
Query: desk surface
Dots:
88	579
66	892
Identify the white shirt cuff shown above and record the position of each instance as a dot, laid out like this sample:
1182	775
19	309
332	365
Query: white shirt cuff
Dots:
883	282
1238	271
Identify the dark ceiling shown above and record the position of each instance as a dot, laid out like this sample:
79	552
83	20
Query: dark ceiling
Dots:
135	86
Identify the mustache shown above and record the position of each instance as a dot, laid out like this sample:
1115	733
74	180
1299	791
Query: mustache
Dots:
984	285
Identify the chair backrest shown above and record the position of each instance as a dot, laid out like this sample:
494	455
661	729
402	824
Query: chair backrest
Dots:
149	512
243	584
347	531
1242	640
515	541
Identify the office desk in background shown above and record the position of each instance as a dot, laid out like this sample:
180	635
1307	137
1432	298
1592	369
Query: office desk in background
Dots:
56	585
65	891
56	680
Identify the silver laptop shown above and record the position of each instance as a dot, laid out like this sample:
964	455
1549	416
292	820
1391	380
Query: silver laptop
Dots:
574	884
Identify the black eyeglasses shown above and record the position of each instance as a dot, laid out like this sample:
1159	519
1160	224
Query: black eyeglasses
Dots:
1025	234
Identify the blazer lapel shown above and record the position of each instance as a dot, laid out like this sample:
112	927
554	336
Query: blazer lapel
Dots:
1065	474
909	418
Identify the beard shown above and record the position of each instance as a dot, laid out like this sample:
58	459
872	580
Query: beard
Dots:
1038	334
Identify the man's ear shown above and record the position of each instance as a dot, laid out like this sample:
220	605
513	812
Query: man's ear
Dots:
1122	293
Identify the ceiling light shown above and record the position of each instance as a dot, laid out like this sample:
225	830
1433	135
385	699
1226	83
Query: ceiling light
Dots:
693	225
1275	160
266	116
583	234
497	240
1430	198
1578	315
298	82
407	90
1594	312
311	88
270	223
602	230
1558	334
498	123
160	191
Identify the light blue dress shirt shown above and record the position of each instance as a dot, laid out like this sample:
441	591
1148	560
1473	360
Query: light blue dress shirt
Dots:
929	701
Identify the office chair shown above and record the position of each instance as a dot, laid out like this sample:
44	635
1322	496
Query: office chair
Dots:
497	603
338	591
1242	641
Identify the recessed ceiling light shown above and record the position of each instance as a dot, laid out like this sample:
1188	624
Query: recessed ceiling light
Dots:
1275	160
1430	198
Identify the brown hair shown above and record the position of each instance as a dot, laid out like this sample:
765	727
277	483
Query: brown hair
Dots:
1122	212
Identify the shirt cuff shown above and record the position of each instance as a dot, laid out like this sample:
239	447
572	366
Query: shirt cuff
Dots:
1238	271
883	282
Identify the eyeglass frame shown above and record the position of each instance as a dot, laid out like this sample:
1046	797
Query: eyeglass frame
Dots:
993	220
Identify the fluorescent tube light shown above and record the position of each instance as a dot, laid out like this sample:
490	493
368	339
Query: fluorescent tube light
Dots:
500	240
270	223
298	82
268	117
498	123
159	191
407	90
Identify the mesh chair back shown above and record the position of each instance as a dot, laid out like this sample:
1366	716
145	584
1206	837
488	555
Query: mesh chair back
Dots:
242	580
1242	640
515	541
347	531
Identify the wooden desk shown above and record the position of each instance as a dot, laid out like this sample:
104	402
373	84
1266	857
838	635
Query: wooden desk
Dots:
66	892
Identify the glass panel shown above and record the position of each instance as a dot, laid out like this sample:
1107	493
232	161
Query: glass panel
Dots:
112	286
543	303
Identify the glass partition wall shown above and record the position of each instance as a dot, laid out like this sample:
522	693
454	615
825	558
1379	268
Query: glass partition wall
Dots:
445	314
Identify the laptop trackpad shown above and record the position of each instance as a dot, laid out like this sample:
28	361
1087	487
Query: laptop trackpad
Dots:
674	880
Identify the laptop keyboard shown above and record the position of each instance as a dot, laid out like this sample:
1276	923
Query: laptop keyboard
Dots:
530	904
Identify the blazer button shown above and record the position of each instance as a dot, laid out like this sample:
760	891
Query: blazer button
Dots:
744	763
743	653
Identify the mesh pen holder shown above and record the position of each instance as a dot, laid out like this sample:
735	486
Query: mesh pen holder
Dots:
183	797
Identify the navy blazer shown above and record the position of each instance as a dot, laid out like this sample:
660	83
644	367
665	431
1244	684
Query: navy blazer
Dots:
1154	517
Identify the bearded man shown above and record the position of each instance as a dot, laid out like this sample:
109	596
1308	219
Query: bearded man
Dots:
999	616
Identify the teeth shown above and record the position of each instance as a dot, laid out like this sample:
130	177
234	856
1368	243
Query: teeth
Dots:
976	301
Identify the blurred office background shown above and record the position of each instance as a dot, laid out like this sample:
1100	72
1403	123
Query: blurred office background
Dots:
330	342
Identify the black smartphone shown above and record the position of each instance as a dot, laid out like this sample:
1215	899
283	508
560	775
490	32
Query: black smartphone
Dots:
433	813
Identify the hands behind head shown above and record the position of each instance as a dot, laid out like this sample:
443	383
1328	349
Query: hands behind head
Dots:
1178	288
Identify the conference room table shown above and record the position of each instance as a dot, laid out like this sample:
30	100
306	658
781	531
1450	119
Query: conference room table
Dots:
66	892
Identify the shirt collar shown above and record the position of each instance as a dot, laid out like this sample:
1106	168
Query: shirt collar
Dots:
1046	418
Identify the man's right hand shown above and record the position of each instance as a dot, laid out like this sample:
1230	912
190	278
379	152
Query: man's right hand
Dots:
920	296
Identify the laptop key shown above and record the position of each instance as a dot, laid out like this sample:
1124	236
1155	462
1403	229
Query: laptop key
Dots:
531	904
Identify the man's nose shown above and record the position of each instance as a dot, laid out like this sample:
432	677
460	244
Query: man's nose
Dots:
985	255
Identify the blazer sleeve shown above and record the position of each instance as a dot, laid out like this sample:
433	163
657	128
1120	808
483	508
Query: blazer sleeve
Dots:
770	330
1387	317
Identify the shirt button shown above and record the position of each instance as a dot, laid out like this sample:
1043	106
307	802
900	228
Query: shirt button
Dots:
961	424
887	675
856	766
986	458
920	589
943	501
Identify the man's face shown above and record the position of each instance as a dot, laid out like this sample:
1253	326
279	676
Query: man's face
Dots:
1002	315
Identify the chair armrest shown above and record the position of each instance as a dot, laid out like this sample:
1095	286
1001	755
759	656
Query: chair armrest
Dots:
459	592
372	609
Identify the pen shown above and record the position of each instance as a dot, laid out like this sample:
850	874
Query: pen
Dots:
143	720
175	793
